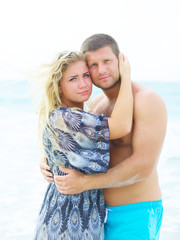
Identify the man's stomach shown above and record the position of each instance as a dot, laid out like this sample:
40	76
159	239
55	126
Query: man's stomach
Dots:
145	190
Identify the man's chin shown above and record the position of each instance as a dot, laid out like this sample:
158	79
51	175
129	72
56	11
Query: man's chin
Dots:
107	86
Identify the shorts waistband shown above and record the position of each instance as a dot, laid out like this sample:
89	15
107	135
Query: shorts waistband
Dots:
148	204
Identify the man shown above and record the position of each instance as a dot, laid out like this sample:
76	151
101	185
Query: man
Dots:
131	188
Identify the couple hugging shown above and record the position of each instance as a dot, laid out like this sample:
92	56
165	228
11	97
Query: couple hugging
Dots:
102	163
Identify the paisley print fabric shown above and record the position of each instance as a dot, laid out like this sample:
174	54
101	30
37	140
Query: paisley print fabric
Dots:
79	140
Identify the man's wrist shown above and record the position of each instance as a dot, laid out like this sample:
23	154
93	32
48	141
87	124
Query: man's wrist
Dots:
95	181
86	182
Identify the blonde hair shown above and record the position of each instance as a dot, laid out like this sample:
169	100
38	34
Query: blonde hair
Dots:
51	92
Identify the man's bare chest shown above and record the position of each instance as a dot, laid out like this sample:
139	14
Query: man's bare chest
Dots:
121	142
120	149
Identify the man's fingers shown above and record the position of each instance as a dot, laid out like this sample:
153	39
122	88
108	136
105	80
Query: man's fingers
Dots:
60	183
59	178
63	191
66	170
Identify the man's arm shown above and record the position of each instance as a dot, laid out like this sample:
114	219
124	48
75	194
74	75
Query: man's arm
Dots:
150	121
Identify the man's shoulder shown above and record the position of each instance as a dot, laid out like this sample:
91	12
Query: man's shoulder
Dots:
98	98
95	103
142	92
146	99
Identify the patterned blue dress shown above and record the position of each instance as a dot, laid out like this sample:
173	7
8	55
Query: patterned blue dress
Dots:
74	139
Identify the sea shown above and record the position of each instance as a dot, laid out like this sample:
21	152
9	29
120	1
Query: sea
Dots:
22	186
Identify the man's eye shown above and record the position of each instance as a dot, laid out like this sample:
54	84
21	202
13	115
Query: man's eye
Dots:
93	65
107	60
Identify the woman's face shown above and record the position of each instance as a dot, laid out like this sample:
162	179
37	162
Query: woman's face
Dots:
76	85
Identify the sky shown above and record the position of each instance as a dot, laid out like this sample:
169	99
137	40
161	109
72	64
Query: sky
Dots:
32	32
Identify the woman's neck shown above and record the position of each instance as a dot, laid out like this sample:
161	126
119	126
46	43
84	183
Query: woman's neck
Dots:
71	105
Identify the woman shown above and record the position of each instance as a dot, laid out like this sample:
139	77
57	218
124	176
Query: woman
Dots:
73	138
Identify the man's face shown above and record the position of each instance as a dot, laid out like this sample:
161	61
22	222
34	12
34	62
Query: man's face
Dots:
103	67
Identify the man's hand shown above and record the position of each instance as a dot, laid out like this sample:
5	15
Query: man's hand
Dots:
72	183
46	172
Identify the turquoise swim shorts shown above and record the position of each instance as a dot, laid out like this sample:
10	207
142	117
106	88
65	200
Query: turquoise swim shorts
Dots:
137	221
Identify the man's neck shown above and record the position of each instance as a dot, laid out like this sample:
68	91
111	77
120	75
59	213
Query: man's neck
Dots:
112	93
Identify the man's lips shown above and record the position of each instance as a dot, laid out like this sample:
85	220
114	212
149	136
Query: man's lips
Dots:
104	77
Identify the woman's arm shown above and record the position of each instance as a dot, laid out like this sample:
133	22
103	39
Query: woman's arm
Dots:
120	122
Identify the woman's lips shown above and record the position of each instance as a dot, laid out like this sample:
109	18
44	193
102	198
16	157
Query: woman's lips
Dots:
84	92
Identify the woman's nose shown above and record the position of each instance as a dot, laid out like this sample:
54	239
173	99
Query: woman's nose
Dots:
82	83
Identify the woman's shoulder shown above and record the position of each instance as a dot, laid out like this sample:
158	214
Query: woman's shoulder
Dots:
71	112
65	110
66	116
75	116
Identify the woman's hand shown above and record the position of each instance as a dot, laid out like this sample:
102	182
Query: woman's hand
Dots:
124	66
46	171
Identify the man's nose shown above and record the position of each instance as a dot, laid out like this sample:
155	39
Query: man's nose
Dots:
101	68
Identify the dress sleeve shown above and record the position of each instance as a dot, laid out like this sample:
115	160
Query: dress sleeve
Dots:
81	138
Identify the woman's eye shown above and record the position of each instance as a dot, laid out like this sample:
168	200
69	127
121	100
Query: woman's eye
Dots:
72	79
86	75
